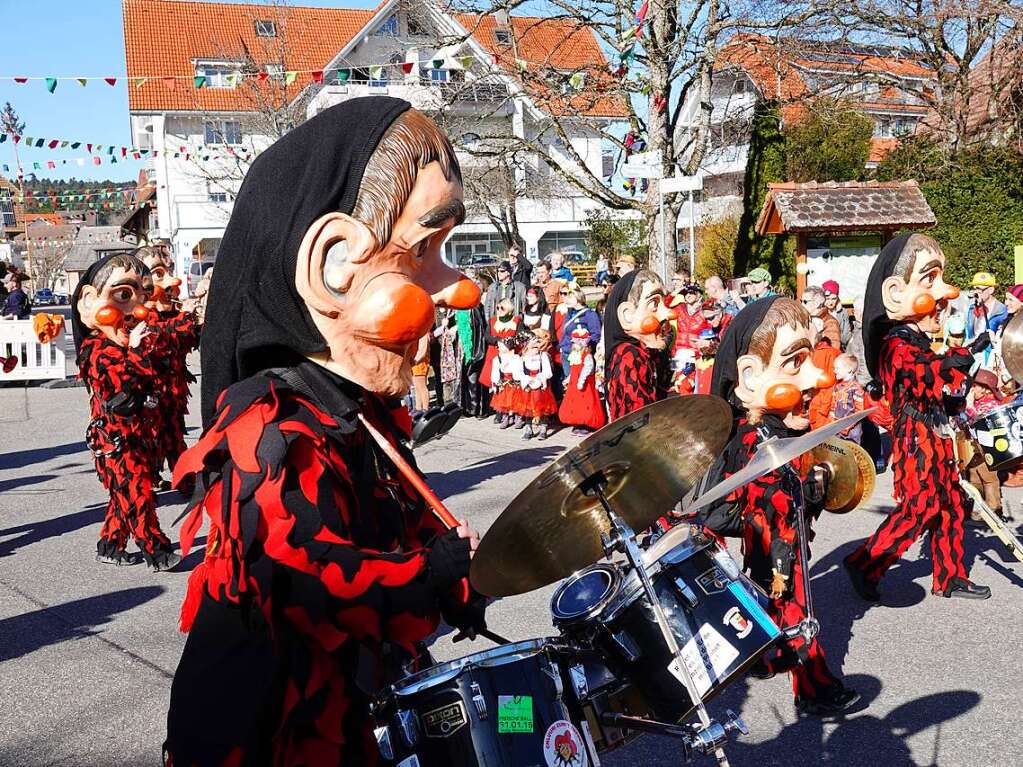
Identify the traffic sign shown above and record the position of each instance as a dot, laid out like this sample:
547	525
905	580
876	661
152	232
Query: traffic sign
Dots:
641	171
681	184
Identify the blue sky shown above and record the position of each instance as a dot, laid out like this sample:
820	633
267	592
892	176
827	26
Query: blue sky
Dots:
73	38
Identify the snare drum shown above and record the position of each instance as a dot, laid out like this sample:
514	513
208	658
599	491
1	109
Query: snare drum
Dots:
715	612
504	707
999	434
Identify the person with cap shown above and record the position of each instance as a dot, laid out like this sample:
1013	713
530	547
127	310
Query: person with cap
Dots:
833	302
986	311
324	569
637	372
625	264
764	370
687	321
984	396
905	299
115	353
1013	301
504	287
759	285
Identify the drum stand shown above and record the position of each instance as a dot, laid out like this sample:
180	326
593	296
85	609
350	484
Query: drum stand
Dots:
809	627
711	736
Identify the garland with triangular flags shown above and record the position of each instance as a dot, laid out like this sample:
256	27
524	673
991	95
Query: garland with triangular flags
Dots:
95	148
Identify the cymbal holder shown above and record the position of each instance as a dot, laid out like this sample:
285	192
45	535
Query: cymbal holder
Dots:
710	735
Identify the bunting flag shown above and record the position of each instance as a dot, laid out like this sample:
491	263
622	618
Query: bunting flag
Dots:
111	81
138	82
290	77
376	72
51	84
465	62
438	63
56	144
83	81
199	81
577	80
343	75
407	67
169	83
317	76
262	76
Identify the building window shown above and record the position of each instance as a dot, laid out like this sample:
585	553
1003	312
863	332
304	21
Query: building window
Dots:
438	75
276	71
218	76
6	207
265	28
217	196
503	36
223	132
388	28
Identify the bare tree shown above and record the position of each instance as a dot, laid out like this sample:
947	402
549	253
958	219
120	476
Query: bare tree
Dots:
44	261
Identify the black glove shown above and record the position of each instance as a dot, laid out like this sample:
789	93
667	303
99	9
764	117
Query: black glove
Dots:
783	554
981	343
469	619
815	486
448	562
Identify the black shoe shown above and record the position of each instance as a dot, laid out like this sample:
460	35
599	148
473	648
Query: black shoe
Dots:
120	558
831	704
860	584
162	561
965	589
761	670
497	417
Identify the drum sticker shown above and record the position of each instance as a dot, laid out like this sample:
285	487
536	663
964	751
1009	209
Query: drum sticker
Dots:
707	656
713	581
412	761
514	713
563	746
737	621
444	721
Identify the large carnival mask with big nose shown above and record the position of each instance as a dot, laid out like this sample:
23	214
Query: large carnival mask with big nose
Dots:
116	303
373	301
166	286
644	314
780	379
917	292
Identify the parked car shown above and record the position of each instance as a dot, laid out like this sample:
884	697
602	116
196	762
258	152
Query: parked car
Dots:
195	273
575	257
62	299
44	297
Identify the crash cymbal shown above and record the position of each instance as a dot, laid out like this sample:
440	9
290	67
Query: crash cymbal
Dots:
852	474
775	453
649	460
1012	347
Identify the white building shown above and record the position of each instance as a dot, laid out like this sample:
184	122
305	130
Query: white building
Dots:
262	65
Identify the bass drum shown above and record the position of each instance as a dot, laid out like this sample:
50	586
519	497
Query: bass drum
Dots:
504	707
716	614
999	435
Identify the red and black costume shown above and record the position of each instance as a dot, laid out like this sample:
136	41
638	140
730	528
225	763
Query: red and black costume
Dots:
918	382
771	542
316	568
634	376
177	335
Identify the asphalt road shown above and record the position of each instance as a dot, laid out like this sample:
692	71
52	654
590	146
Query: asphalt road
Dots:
87	651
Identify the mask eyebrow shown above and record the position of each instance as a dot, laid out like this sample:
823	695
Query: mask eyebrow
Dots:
935	264
452	209
796	346
124	281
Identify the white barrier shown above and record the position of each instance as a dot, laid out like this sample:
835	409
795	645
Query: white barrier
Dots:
36	361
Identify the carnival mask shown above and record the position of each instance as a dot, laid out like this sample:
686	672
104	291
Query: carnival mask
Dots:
645	318
166	286
784	385
922	297
372	301
113	309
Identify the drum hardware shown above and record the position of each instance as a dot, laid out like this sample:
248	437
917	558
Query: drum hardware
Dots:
478	701
1012	347
704	741
998	527
383	738
485	633
851	474
621	538
408	728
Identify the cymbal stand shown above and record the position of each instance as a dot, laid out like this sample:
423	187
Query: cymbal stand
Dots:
711	735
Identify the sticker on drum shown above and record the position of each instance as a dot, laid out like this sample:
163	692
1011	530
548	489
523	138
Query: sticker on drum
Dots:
705	654
713	581
445	720
412	761
514	713
738	622
563	746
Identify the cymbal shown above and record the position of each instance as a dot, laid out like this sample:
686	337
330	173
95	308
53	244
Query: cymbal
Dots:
1012	347
774	453
852	474
649	460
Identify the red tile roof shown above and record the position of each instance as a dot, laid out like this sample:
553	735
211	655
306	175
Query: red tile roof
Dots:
162	37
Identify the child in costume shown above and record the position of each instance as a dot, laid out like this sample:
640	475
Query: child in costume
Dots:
847	396
537	402
506	397
905	299
581	407
115	352
504	324
764	369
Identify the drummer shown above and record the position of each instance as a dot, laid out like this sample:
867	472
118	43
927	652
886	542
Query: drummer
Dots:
764	369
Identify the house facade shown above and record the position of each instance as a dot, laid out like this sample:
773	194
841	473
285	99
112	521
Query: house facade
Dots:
266	69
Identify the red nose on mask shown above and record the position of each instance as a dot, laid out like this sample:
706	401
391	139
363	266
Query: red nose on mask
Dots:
782	397
464	294
923	304
953	293
649	324
140	313
109	316
397	315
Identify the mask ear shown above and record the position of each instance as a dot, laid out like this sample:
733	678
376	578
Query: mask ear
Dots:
626	316
893	295
332	247
749	368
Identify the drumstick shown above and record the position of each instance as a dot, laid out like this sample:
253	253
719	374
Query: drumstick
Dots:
436	506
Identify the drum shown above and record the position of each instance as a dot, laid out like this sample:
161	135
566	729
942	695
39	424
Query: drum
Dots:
715	612
999	434
505	707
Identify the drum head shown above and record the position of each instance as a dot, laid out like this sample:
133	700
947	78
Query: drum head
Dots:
584	594
442	672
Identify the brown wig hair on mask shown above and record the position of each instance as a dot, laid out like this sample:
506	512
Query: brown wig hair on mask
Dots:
411	143
784	311
126	261
907	258
643	276
148	251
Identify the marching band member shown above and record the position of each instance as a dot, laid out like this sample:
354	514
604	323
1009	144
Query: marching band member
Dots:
322	561
115	351
764	369
905	299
